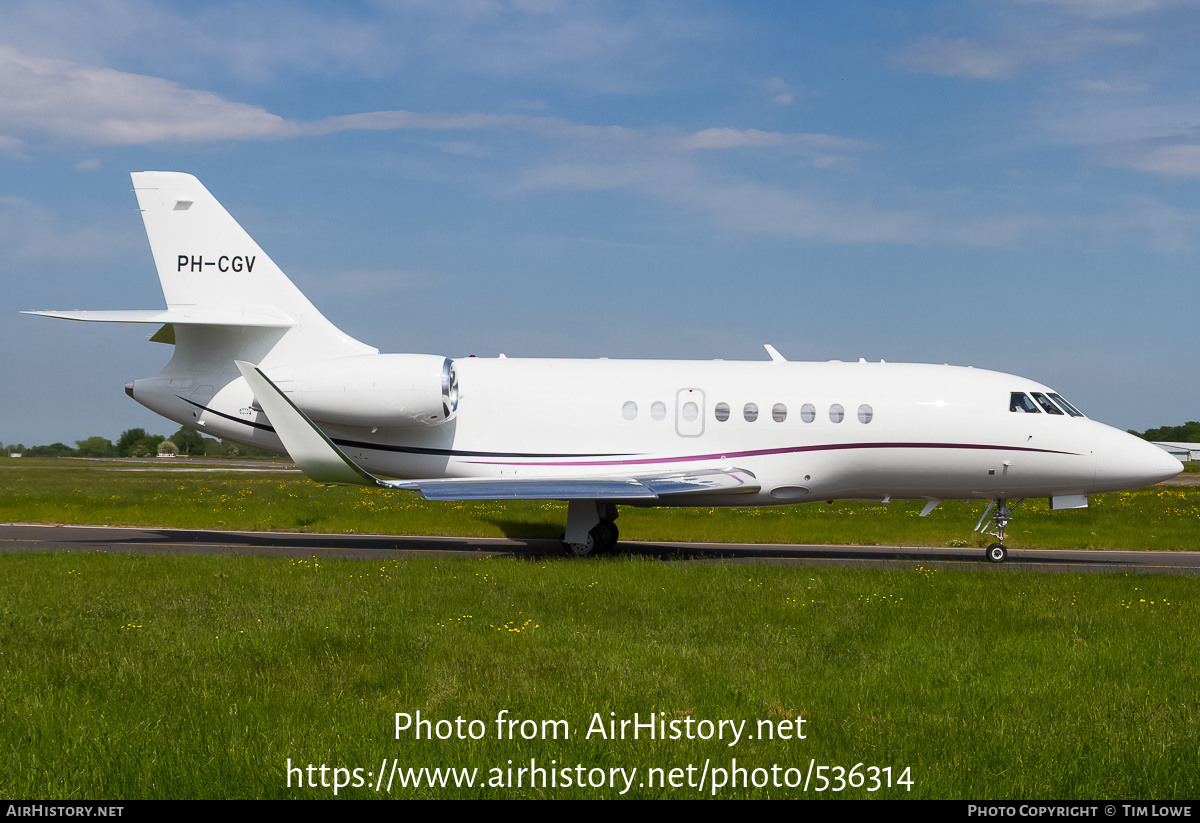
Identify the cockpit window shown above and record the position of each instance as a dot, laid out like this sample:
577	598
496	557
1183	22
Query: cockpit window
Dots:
1065	406
1020	402
1045	403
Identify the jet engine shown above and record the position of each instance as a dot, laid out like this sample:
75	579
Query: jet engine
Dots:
376	390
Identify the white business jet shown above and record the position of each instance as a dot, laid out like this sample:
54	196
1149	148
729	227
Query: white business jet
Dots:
256	363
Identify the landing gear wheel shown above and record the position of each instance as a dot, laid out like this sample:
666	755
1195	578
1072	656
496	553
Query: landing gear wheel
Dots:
601	538
585	549
1001	516
606	535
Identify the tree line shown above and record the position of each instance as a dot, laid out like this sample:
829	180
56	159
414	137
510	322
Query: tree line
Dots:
1189	432
186	442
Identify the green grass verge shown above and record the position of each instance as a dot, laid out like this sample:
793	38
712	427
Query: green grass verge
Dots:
126	676
1161	517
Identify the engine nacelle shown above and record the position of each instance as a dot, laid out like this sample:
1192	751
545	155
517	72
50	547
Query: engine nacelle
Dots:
378	390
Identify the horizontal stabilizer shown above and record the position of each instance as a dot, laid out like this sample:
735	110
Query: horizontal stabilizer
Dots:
196	317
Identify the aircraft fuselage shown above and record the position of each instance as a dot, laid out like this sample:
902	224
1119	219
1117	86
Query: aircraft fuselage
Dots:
807	431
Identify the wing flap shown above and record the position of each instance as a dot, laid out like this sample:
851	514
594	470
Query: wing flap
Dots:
517	488
703	481
647	487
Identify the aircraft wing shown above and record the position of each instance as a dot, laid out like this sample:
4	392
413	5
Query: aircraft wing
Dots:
644	487
320	459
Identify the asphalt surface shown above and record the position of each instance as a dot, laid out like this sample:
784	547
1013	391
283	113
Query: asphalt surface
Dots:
35	538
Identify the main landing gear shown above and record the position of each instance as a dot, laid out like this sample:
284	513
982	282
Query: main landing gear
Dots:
590	527
1000	513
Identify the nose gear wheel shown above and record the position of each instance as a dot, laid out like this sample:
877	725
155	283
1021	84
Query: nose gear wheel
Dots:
1001	514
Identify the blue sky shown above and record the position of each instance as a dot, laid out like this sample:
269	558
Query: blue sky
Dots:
1009	184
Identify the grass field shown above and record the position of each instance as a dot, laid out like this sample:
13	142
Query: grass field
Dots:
127	676
131	676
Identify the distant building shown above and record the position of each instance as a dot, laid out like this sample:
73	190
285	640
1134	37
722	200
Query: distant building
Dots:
1181	451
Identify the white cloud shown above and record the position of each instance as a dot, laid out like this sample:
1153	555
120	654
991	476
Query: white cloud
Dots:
1119	86
1131	128
1111	77
1180	160
587	47
760	209
1011	52
1102	120
962	57
90	105
254	42
86	105
750	207
1098	9
465	148
779	91
730	138
727	138
106	106
1014	47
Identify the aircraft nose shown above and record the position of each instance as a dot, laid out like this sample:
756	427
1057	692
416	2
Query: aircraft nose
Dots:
1127	462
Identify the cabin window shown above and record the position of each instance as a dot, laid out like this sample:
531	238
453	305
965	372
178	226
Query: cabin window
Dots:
808	412
836	413
658	410
779	412
629	410
750	412
721	412
1019	402
865	413
1065	406
1045	403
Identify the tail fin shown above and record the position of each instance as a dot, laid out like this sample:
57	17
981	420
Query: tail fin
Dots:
209	266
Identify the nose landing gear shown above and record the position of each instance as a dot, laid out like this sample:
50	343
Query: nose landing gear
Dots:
1000	513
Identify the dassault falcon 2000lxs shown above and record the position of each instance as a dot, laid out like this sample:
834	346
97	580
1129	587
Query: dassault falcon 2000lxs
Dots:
256	363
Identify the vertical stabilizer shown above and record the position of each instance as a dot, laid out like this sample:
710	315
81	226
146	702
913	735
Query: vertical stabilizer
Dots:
207	262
